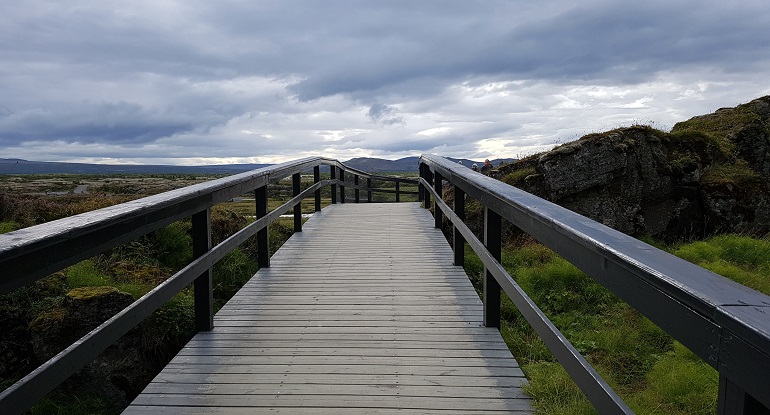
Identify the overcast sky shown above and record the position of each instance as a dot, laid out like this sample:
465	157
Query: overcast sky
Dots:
209	82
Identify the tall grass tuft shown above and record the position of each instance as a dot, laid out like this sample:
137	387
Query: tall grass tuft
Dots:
86	274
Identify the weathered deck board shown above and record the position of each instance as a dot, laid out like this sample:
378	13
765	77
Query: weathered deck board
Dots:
362	312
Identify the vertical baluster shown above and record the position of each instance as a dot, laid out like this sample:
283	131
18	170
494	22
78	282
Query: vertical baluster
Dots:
357	193
317	193
458	239
203	289
342	185
295	186
369	189
428	176
333	173
420	189
263	235
398	191
492	236
438	215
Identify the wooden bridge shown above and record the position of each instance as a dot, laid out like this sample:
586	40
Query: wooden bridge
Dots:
356	314
366	309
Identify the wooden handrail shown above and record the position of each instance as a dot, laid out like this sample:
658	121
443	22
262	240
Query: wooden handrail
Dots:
721	321
29	254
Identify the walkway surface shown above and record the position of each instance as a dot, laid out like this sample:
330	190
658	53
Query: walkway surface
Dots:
362	312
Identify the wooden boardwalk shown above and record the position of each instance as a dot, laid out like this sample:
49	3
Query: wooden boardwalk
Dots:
362	312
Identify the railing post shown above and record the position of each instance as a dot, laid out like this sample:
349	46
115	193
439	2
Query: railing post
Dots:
735	401
398	191
420	189
342	186
492	240
203	292
437	213
425	193
369	189
295	186
263	235
356	192
458	241
317	194
333	173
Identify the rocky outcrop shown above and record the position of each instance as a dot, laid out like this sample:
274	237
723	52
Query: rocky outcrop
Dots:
709	175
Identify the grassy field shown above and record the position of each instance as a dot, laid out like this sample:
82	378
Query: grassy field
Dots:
653	373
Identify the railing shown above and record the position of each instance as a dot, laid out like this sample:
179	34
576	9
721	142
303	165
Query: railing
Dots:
724	323
32	253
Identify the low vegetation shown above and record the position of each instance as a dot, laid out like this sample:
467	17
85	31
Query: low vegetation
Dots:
133	269
653	373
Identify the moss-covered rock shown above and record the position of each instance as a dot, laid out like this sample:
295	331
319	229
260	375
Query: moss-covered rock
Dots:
743	132
119	372
709	175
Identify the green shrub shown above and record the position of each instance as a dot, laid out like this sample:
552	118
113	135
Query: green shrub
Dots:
168	329
230	273
174	244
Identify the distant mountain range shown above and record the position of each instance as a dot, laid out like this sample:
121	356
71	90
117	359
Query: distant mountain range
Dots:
368	164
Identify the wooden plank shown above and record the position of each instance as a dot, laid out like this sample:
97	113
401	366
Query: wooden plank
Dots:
192	410
343	344
361	312
384	322
364	402
345	352
351	330
343	369
341	379
250	389
452	337
402	309
347	360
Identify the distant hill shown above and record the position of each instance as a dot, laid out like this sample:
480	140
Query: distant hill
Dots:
368	164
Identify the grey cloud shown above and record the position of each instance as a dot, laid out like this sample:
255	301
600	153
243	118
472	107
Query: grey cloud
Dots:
385	114
138	73
120	122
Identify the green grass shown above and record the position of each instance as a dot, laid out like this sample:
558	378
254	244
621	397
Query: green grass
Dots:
740	258
679	383
64	402
86	274
720	125
737	173
8	226
649	370
516	177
